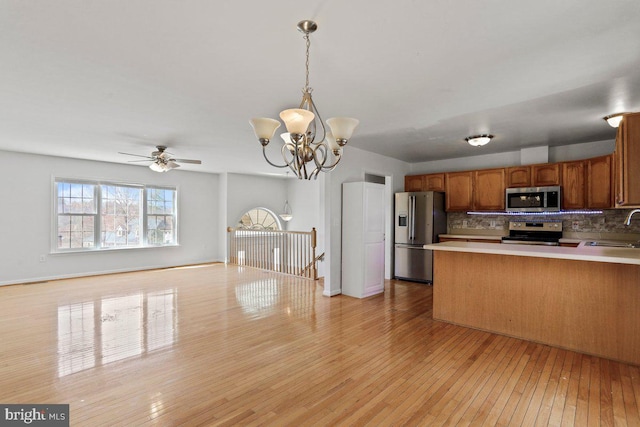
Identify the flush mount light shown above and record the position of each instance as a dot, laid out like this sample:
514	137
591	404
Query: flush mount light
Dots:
614	119
479	140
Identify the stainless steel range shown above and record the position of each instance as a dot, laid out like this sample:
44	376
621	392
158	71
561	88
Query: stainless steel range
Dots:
534	233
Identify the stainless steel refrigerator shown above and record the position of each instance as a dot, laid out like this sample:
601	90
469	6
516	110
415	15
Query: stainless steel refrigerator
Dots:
419	219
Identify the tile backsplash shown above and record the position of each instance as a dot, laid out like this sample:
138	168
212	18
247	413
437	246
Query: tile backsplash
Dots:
610	221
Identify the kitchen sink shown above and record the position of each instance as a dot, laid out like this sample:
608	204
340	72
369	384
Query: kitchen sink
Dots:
610	244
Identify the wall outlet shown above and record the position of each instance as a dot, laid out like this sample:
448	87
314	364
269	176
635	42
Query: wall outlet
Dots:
464	223
43	258
575	225
492	224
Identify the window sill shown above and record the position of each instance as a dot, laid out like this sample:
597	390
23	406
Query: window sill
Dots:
103	250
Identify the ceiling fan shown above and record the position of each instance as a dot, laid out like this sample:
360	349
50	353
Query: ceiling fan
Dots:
162	160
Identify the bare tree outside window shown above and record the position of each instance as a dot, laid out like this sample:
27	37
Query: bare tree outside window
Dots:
120	216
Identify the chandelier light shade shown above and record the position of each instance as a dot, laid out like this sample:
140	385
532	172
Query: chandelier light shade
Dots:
308	147
297	120
264	128
614	119
479	140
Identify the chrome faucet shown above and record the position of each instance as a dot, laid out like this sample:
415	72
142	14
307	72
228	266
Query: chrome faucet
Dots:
628	220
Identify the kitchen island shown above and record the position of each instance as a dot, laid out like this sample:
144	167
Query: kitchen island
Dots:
585	299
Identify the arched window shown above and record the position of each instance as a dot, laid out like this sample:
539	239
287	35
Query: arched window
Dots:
259	219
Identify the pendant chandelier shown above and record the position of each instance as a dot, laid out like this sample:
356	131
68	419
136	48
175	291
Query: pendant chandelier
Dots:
307	144
286	214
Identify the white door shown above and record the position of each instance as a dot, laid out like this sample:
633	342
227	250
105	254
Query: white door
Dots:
373	238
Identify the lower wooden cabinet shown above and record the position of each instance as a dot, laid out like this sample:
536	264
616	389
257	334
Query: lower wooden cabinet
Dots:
467	239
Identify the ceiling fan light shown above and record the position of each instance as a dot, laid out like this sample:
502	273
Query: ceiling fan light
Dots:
156	167
614	119
479	140
171	165
342	127
263	127
297	120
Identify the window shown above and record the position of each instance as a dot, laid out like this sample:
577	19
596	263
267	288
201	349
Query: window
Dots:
259	219
100	215
160	216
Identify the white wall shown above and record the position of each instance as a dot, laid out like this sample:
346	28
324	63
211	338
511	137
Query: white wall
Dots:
245	192
352	168
304	199
513	158
26	213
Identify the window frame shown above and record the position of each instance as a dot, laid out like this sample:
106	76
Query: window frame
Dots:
97	216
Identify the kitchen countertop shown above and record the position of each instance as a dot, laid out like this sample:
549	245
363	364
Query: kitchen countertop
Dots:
580	253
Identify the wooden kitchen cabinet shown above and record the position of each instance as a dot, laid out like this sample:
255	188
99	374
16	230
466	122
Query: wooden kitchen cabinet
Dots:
433	182
489	186
467	239
600	182
428	182
413	183
574	194
546	174
627	162
519	176
459	191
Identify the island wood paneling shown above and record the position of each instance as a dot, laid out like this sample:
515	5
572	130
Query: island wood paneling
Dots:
591	307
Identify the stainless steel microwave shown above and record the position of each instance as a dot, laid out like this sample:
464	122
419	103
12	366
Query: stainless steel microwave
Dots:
533	199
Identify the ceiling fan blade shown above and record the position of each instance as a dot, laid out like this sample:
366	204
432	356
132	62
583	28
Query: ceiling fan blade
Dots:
195	162
144	160
136	155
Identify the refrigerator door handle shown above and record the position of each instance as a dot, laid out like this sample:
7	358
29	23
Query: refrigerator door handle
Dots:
412	216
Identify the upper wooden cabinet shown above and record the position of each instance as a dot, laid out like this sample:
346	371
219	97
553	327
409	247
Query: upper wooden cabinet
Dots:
459	191
413	183
574	194
600	182
519	176
545	174
429	182
585	183
433	182
489	185
627	162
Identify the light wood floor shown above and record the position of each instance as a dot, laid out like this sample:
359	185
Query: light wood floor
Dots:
216	345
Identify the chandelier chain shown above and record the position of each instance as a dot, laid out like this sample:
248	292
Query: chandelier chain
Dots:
306	83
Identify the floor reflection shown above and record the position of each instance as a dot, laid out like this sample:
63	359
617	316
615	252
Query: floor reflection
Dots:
262	298
115	328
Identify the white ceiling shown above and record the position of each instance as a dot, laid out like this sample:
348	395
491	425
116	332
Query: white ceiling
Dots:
87	79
